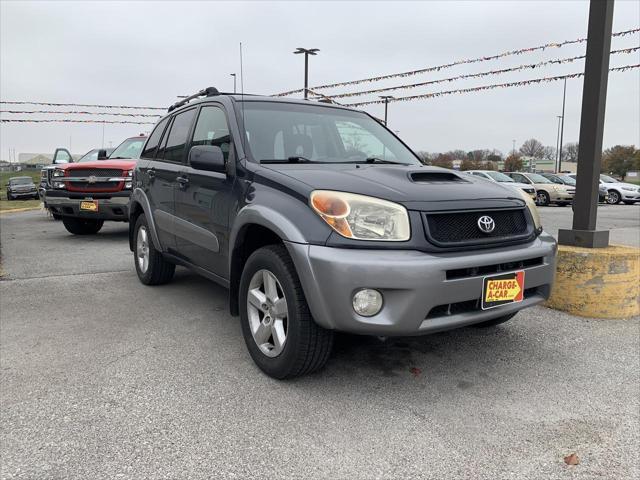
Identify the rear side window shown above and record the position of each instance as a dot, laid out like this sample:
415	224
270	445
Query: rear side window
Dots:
176	140
151	147
212	129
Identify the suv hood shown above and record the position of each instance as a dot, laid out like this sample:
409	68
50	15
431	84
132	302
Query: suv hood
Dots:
412	186
124	164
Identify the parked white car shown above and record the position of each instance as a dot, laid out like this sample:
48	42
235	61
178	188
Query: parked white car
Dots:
504	179
618	191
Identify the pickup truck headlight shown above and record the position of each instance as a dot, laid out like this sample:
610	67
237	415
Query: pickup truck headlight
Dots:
58	172
533	209
129	179
360	217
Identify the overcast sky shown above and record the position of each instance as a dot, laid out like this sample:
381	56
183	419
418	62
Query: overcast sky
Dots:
148	53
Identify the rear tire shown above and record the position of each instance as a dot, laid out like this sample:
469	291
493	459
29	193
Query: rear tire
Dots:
495	321
152	268
283	342
82	226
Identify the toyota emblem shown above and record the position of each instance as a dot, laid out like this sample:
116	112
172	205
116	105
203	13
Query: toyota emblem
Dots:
486	224
92	179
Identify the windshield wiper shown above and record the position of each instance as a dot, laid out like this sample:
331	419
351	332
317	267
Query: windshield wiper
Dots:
294	159
382	160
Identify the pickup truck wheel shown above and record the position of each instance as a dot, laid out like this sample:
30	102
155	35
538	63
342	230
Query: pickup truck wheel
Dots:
82	226
495	321
152	268
280	333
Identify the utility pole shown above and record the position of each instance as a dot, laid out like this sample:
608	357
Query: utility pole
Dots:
234	81
594	97
513	151
564	97
386	99
558	143
307	52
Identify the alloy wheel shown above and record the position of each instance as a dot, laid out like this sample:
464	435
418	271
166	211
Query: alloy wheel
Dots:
142	249
267	312
614	198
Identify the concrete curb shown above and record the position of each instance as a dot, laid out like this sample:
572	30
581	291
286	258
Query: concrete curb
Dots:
597	282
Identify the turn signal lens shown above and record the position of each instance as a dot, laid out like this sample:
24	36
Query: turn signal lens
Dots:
360	217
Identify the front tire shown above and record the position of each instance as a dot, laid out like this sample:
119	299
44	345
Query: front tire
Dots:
152	268
542	198
82	226
495	321
281	335
614	197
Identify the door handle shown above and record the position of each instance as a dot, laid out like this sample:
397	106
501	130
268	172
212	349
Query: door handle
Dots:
183	181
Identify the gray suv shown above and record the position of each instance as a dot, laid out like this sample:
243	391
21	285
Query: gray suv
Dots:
318	219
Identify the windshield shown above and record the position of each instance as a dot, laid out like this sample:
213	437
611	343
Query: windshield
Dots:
608	179
536	178
130	148
317	133
567	180
500	177
21	181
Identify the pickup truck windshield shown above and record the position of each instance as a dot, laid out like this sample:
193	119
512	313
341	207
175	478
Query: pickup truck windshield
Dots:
319	134
129	149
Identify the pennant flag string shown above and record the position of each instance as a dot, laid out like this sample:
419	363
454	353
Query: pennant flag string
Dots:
458	62
81	113
471	75
485	87
50	104
65	120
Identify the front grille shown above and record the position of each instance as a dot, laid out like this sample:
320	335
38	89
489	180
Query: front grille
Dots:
491	269
94	172
467	306
85	186
461	228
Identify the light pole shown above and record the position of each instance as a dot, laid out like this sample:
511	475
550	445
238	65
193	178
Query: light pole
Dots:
513	151
307	52
234	81
564	97
386	99
558	143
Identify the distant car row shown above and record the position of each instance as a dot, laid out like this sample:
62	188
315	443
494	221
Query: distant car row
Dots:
559	189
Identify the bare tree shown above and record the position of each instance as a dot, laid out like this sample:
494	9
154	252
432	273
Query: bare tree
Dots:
570	152
532	148
442	160
549	153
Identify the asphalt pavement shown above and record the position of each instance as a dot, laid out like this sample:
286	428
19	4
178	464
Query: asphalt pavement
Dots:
102	377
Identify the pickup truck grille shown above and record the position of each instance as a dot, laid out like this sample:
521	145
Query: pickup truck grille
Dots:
82	184
454	229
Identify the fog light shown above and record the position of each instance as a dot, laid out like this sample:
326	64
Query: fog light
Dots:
367	302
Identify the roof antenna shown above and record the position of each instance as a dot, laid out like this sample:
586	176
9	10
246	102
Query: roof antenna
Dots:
244	130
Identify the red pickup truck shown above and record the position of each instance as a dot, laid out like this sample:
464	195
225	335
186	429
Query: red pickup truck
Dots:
88	193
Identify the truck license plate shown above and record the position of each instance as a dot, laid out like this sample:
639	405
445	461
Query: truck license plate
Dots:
502	289
89	206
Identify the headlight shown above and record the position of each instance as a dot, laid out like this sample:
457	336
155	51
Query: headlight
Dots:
361	217
58	172
629	189
129	179
533	209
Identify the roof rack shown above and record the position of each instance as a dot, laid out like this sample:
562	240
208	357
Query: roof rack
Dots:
207	92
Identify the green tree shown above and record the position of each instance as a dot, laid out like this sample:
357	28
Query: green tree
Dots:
620	159
513	163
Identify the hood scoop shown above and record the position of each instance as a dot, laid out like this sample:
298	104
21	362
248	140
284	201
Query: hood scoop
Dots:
436	177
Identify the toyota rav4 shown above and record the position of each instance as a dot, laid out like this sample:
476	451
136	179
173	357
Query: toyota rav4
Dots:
87	193
317	218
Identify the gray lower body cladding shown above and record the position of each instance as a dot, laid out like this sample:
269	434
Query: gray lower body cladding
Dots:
114	208
423	292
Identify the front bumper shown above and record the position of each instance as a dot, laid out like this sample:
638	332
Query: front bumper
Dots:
630	196
112	206
418	296
561	197
25	193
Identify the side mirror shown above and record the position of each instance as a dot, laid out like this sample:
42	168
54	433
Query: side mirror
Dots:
102	154
207	157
